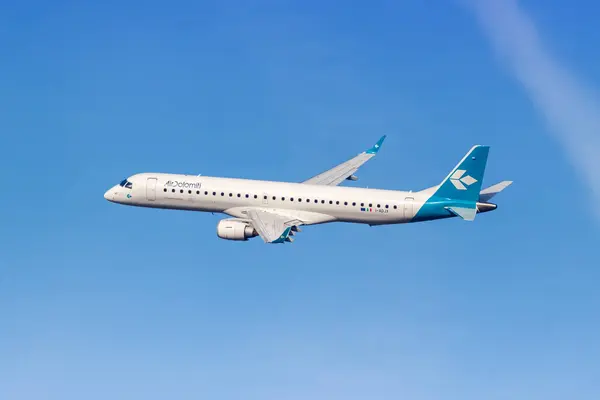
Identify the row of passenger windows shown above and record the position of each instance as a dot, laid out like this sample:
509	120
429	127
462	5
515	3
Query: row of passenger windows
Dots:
290	199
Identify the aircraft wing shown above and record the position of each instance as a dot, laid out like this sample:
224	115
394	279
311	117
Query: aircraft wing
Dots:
272	227
341	172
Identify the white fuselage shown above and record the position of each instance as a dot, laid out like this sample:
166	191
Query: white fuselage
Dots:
313	203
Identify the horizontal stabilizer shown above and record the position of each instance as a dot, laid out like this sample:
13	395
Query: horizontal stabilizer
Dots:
468	214
486	194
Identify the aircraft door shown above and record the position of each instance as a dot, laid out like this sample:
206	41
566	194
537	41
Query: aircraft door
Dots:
408	208
151	189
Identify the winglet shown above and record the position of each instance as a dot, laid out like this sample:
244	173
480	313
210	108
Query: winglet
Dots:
284	236
377	146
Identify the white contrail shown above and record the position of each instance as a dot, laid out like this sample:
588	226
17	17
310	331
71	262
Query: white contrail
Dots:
572	111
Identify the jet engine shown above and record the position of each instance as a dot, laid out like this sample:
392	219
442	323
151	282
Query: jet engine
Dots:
235	230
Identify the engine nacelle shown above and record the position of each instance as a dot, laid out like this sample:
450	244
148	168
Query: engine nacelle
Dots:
235	230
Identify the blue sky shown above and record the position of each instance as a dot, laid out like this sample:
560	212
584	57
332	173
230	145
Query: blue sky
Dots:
102	301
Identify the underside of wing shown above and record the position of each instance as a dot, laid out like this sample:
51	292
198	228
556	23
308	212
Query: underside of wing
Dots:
272	227
346	170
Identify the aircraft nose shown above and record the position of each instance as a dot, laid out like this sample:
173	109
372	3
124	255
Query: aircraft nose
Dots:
109	195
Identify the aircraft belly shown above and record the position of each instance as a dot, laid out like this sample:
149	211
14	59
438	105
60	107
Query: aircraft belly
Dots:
370	217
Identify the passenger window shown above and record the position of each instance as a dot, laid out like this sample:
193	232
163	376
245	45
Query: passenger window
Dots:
283	199
337	203
214	193
316	201
165	189
230	194
247	195
206	193
395	207
291	199
330	202
239	195
181	191
173	190
378	205
255	196
345	203
189	192
197	192
362	204
370	205
274	197
386	206
353	204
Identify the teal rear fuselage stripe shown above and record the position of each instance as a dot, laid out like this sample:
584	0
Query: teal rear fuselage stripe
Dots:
435	208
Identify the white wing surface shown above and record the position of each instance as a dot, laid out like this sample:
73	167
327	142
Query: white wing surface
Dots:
271	227
346	170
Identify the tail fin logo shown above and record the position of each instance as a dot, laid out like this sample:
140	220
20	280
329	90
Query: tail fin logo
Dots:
459	180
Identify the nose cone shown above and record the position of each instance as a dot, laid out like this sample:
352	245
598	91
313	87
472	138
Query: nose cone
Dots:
109	195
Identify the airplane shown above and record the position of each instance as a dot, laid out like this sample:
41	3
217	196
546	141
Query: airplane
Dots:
276	210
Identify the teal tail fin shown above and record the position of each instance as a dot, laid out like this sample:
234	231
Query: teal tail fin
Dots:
464	182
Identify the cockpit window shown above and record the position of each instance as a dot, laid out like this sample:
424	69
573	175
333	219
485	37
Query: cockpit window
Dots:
125	183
